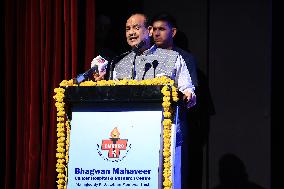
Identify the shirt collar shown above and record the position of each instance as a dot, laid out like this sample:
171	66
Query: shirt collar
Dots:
150	51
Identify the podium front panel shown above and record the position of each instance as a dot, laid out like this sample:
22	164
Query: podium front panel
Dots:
116	144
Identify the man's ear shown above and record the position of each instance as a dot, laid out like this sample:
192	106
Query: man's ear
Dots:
174	32
150	29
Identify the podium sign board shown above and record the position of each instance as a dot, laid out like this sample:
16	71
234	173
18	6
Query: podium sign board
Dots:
118	149
116	137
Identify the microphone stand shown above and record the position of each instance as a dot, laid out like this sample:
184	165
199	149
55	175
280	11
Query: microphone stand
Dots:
155	64
111	68
114	61
133	67
136	50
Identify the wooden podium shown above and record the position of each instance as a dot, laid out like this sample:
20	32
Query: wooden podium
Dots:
116	138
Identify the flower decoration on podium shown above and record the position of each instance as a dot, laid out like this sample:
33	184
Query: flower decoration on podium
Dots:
170	95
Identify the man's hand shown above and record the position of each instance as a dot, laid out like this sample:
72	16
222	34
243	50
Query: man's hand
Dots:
100	76
189	98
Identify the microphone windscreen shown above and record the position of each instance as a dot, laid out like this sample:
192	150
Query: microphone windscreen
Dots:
147	66
155	64
100	62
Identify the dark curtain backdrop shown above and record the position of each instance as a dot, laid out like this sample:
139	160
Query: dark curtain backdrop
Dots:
46	41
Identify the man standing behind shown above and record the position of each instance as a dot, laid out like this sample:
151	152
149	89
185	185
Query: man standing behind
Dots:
164	29
195	131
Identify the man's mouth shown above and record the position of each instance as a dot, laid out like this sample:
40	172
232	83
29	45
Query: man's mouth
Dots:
158	40
132	39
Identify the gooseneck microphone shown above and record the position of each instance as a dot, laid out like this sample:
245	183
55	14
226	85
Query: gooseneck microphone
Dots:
114	61
155	64
137	50
147	67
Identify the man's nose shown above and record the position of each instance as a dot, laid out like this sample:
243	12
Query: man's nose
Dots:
156	33
131	32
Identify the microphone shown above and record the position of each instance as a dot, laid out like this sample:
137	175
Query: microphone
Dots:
114	61
136	50
147	67
155	64
86	75
138	46
98	65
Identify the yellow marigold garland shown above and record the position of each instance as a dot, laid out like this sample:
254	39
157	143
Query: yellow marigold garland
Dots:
61	140
63	133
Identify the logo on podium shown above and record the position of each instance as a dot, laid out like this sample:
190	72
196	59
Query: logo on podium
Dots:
114	144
